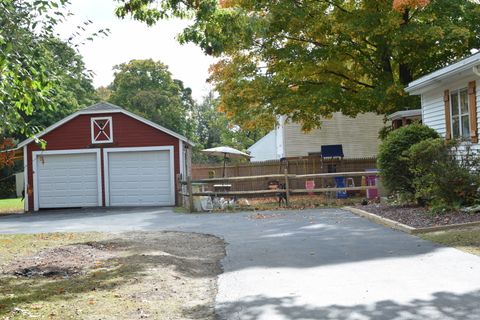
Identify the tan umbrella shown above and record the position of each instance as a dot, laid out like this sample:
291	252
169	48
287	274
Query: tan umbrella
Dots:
226	152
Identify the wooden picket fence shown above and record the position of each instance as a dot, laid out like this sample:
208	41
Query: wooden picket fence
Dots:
187	193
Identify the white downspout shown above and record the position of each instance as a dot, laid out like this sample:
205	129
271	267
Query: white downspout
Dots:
280	137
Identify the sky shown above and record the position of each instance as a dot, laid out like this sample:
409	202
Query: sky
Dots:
135	40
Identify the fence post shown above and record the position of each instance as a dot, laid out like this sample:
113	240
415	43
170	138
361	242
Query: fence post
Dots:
190	194
179	190
287	188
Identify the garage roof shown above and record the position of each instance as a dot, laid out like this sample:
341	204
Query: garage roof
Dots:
104	107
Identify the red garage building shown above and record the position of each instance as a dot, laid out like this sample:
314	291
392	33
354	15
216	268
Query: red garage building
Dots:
104	156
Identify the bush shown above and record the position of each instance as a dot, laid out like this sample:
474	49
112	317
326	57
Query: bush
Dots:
8	188
393	160
440	179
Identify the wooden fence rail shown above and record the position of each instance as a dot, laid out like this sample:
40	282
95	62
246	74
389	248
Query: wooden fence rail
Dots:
274	169
186	189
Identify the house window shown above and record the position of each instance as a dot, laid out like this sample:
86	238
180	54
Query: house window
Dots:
101	130
460	114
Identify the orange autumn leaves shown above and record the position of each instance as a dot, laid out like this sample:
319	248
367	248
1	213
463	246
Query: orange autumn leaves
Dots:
407	4
6	157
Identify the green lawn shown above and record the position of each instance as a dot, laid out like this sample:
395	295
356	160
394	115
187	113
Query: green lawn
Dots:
11	206
466	239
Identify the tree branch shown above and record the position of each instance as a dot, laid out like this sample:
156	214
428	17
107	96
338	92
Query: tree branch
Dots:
332	3
350	79
320	83
318	44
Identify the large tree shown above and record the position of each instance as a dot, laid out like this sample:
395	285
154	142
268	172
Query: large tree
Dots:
42	78
73	89
147	88
309	58
213	129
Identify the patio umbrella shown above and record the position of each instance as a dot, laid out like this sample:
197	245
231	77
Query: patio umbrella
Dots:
226	152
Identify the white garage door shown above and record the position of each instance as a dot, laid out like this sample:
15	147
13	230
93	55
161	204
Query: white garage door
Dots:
67	180
140	178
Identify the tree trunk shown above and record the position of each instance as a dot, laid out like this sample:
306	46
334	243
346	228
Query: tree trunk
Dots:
405	74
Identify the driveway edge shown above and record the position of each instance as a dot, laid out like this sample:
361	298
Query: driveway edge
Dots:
403	227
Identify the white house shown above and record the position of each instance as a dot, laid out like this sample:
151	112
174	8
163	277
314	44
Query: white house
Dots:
265	148
450	98
358	136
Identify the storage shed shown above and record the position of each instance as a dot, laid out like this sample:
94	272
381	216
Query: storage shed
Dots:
104	156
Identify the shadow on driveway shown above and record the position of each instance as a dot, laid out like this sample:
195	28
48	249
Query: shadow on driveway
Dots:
442	306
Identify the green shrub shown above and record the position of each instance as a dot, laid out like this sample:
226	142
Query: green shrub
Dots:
8	188
393	159
440	179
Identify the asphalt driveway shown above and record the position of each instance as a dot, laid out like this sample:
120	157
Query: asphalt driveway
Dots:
316	264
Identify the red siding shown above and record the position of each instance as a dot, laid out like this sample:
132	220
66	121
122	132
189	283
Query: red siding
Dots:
127	132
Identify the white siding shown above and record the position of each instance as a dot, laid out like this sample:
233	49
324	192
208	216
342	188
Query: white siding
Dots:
265	148
19	183
359	136
433	110
433	107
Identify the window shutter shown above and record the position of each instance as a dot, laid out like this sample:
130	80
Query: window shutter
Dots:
472	101
448	121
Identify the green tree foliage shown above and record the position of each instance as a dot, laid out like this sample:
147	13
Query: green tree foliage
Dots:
393	160
73	90
42	78
103	93
25	81
307	59
147	88
214	129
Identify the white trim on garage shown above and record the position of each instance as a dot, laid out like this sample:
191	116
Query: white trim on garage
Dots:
92	129
25	174
138	149
35	155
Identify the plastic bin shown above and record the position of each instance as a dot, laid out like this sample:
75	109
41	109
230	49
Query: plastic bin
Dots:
372	181
340	182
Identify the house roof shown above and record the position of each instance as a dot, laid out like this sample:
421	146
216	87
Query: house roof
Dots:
103	107
405	114
468	64
265	137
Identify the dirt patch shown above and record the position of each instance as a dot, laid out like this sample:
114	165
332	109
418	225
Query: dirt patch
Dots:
419	217
135	275
62	261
